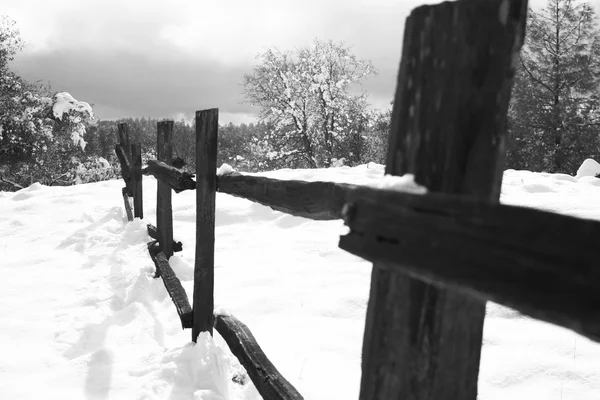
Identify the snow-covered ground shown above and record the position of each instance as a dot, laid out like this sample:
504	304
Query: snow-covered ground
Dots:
82	318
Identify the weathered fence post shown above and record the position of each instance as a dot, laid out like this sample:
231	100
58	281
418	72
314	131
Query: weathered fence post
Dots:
207	125
127	204
164	211
136	178
123	133
124	156
448	128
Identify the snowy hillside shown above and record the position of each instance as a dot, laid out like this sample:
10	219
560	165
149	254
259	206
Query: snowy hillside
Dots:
82	317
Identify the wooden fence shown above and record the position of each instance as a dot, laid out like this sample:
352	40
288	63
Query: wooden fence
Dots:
437	257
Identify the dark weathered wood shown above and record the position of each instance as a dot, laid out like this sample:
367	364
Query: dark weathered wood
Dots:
164	210
153	233
542	246
127	204
177	179
207	125
124	155
123	132
178	162
315	200
542	264
136	178
384	213
266	378
124	161
126	170
448	128
172	284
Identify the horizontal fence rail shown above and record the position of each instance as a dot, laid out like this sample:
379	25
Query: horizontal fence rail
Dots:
172	284
266	378
177	179
540	263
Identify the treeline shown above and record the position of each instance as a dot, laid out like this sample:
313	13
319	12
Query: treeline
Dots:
243	146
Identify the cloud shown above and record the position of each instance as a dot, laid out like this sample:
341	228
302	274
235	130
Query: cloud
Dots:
157	58
133	83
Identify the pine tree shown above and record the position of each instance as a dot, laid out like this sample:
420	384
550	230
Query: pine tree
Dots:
555	106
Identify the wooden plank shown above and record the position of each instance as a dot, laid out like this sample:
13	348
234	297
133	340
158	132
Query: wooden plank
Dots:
124	156
138	200
127	204
153	233
476	219
542	264
177	179
125	167
315	200
124	160
448	128
172	284
266	378
164	210
177	163
207	125
123	133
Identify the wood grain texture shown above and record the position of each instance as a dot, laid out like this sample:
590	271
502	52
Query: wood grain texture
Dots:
314	200
448	129
126	170
164	210
136	178
207	125
266	378
153	233
553	241
544	265
123	133
176	179
128	209
124	156
172	284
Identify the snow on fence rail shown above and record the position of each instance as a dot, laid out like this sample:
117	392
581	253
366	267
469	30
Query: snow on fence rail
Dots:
438	256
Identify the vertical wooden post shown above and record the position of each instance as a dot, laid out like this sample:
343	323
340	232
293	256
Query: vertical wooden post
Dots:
136	157
164	211
127	205
207	125
123	133
448	128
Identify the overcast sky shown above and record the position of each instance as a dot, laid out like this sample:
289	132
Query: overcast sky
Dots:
167	59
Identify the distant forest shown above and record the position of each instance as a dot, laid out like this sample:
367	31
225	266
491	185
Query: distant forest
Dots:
241	146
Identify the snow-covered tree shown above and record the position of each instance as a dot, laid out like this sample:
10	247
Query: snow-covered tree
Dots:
307	98
41	135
